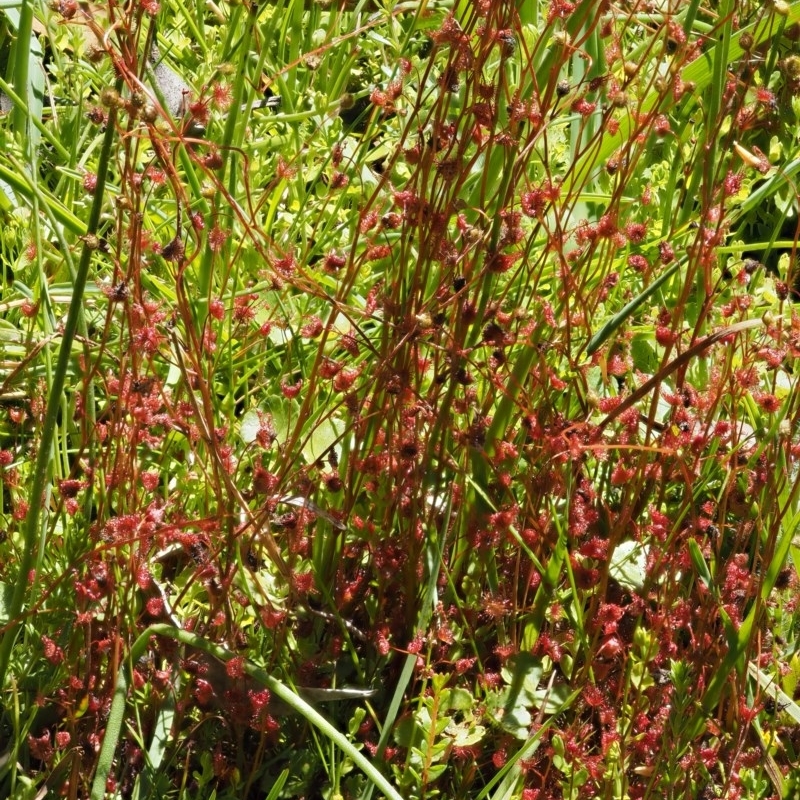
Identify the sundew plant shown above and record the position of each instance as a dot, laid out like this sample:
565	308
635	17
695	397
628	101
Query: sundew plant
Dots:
399	399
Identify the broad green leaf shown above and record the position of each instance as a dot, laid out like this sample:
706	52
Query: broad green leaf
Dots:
644	356
324	436
407	731
460	699
249	426
628	565
513	718
524	671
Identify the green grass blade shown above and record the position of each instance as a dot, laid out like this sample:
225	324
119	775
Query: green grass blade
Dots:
278	689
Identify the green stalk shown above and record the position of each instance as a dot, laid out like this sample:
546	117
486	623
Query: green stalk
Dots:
43	458
21	56
226	149
231	138
709	165
278	689
690	16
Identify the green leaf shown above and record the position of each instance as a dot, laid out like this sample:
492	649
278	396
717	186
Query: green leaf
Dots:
407	731
356	720
26	64
628	565
435	772
792	678
249	426
277	786
324	436
644	356
511	707
10	333
525	671
459	699
283	413
464	735
700	564
513	718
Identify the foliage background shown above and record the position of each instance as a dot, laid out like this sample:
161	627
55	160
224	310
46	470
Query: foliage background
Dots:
465	373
